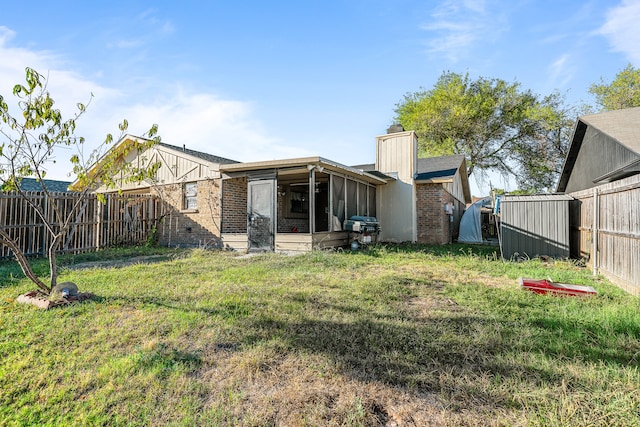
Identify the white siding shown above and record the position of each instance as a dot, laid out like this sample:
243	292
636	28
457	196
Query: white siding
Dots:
396	154
174	167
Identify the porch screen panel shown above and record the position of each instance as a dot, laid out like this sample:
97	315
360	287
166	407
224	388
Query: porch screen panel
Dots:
352	198
372	201
362	199
337	199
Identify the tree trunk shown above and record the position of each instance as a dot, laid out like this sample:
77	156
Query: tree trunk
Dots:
53	266
6	240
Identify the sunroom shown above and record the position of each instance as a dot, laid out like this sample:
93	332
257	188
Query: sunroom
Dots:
293	205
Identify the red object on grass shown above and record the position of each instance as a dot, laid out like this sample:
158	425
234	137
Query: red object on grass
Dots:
547	286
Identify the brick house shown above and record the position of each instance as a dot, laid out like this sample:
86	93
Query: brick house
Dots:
301	204
426	200
188	184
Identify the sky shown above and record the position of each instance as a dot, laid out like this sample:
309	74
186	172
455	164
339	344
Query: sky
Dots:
264	80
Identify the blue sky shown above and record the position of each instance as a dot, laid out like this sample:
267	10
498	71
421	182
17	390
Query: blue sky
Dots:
258	80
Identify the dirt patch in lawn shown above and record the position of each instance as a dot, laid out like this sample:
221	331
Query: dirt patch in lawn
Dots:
118	263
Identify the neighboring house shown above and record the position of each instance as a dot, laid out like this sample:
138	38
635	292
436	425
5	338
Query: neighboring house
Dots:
605	147
301	204
602	174
32	184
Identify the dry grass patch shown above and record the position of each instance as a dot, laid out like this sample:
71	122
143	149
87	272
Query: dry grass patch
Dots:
394	336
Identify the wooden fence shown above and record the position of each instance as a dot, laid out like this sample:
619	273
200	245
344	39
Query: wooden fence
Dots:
120	220
605	230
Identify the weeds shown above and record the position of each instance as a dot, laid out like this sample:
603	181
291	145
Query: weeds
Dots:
412	335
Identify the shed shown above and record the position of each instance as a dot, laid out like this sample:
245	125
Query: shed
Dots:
535	225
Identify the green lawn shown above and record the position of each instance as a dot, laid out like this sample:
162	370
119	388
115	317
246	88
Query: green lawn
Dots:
407	335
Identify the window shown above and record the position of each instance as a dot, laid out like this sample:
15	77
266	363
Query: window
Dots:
191	195
298	202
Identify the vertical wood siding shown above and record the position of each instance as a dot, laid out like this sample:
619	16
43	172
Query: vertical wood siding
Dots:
616	229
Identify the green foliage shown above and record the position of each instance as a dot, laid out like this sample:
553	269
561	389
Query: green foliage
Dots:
29	144
622	92
497	125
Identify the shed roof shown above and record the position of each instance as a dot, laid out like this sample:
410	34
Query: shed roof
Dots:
535	197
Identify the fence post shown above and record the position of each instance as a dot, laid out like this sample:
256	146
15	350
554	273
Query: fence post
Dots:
98	222
45	211
594	236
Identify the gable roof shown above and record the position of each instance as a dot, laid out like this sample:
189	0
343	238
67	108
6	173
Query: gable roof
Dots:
439	167
131	140
623	126
199	154
444	169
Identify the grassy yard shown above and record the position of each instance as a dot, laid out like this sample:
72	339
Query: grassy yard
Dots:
392	336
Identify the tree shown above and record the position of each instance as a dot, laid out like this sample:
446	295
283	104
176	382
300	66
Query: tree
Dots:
539	160
497	126
28	145
622	92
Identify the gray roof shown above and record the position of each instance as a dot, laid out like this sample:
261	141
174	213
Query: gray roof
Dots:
367	167
370	168
199	154
621	125
449	164
535	197
31	184
428	165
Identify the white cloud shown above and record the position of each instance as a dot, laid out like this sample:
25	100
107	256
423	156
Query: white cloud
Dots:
561	71
459	24
621	29
202	121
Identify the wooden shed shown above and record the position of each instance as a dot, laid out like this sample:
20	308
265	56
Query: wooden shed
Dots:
536	225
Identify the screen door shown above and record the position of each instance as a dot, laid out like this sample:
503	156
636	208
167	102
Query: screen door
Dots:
261	224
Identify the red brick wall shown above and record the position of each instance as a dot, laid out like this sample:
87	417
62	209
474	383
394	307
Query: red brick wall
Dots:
433	222
234	205
191	228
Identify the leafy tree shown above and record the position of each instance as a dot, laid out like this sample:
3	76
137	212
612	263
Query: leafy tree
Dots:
622	92
497	125
28	144
539	160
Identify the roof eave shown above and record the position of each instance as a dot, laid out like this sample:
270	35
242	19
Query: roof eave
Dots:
300	162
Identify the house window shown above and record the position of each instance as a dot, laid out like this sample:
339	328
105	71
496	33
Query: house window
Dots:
299	202
191	195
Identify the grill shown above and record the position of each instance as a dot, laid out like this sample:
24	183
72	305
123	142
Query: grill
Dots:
365	227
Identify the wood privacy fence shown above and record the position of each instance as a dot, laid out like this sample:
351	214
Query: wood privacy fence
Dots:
120	220
605	229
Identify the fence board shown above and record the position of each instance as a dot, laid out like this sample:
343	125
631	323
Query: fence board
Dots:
121	220
611	213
